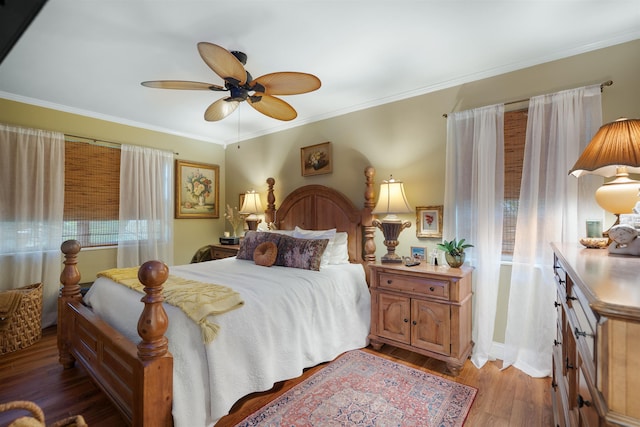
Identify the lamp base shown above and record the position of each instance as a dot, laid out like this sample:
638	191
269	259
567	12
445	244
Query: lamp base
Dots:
253	223
391	258
391	231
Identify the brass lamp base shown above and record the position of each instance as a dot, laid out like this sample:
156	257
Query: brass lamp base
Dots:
391	230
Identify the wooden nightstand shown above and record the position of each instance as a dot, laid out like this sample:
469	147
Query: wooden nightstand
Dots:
425	308
224	251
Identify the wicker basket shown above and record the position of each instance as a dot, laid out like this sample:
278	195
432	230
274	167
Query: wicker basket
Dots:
24	326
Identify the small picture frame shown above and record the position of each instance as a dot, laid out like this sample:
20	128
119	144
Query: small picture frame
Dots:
197	190
418	253
316	159
429	221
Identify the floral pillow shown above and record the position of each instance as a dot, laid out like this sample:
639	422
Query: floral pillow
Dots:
251	241
301	253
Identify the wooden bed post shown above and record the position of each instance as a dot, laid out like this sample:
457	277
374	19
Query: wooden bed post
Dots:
369	230
155	378
70	292
271	203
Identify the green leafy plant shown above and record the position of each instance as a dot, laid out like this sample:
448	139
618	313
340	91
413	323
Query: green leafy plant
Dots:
453	247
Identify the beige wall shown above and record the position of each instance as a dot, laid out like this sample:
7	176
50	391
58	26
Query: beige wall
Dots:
189	234
407	138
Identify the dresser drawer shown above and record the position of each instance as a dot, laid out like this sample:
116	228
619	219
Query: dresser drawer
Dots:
424	285
584	324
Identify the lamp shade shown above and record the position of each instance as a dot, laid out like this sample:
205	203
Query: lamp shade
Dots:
251	204
615	144
392	199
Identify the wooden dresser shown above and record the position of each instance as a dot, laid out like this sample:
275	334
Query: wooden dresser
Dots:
425	308
596	356
224	251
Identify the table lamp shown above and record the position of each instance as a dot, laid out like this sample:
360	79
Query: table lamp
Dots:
392	201
250	207
614	151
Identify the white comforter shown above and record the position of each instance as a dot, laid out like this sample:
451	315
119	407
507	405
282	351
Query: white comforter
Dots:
292	319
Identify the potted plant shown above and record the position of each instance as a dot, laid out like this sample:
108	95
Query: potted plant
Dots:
454	251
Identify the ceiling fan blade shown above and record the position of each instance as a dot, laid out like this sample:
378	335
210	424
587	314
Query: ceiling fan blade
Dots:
222	62
180	84
272	107
286	83
220	109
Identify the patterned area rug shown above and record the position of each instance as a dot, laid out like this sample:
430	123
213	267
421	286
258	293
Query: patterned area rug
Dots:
362	389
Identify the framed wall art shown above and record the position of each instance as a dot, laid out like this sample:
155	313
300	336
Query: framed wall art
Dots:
429	221
316	159
197	190
417	253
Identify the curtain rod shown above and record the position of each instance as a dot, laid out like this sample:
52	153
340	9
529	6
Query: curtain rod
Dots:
104	143
602	86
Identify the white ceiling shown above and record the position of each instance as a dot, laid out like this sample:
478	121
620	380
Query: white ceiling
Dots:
89	57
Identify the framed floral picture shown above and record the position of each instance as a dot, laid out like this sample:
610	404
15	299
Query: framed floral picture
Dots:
316	159
197	190
429	221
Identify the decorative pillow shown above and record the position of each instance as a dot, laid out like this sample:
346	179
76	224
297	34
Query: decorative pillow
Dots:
251	241
301	253
265	254
318	234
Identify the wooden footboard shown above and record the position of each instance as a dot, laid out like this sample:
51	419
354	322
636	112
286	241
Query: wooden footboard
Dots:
137	378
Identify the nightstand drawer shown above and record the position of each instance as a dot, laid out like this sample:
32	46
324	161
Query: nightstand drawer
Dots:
423	285
223	251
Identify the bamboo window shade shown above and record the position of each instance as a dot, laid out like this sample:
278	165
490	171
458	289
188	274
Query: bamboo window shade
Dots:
92	193
515	129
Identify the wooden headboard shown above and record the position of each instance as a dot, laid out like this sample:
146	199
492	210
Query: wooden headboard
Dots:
317	207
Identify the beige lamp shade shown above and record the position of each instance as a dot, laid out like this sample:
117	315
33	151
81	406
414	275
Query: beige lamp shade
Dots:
615	144
392	199
614	151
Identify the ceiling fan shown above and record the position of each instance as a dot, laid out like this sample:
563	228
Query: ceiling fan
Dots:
259	93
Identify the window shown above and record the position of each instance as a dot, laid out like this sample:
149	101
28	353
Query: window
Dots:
515	130
91	193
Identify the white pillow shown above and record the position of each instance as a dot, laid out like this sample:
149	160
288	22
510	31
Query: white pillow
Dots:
318	234
340	249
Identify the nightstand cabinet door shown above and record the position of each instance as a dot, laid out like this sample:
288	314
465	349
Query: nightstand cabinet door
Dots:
430	326
394	317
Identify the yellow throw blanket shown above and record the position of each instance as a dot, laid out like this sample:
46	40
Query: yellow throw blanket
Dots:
198	300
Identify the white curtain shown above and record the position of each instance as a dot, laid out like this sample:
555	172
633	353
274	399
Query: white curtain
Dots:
31	212
473	203
146	206
553	206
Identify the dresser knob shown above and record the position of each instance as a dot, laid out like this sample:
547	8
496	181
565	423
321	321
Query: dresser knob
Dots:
567	364
389	281
405	320
432	289
582	402
414	323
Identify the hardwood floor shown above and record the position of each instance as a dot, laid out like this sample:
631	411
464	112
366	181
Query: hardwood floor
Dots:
505	398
